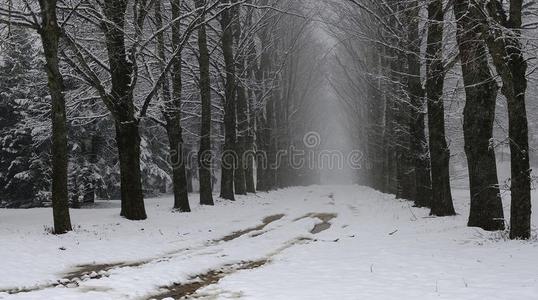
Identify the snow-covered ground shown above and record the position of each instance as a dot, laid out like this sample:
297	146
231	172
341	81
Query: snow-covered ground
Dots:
322	242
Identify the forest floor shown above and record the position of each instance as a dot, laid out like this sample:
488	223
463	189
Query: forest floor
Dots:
321	242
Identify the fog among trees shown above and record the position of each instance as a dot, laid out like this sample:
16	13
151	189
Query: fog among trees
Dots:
170	108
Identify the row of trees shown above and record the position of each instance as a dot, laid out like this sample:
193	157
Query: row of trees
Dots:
134	87
167	76
402	63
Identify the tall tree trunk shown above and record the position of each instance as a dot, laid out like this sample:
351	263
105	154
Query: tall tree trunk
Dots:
390	184
241	106
128	141
127	135
50	36
179	176
181	184
481	93
503	39
419	148
204	153
402	136
172	107
229	156
251	61
262	124
242	127
441	204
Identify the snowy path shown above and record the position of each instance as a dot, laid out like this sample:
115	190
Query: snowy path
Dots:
300	243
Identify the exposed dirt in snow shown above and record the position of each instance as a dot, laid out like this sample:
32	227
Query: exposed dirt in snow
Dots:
96	271
81	270
25	290
189	289
73	278
266	221
377	246
325	218
184	290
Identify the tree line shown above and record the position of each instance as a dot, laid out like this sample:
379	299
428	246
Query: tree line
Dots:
131	89
402	64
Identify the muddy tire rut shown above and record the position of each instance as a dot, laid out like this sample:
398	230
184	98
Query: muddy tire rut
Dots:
189	289
80	273
266	221
325	224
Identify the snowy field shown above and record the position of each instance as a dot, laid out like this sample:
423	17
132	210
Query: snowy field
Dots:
337	242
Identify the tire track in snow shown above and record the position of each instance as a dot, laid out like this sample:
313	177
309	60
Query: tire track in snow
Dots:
325	224
87	272
72	279
326	219
188	289
266	221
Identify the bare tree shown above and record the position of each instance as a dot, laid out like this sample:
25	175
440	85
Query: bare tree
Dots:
46	23
50	37
441	204
481	93
172	105
502	32
229	155
204	153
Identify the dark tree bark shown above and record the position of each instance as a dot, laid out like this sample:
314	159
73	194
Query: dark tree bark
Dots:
250	160
250	140
263	130
181	184
242	108
389	152
92	149
189	165
242	119
441	204
204	153
132	199
272	146
50	36
419	148
261	153
122	103
503	40
229	157
190	188
172	107
481	93
179	179
402	137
